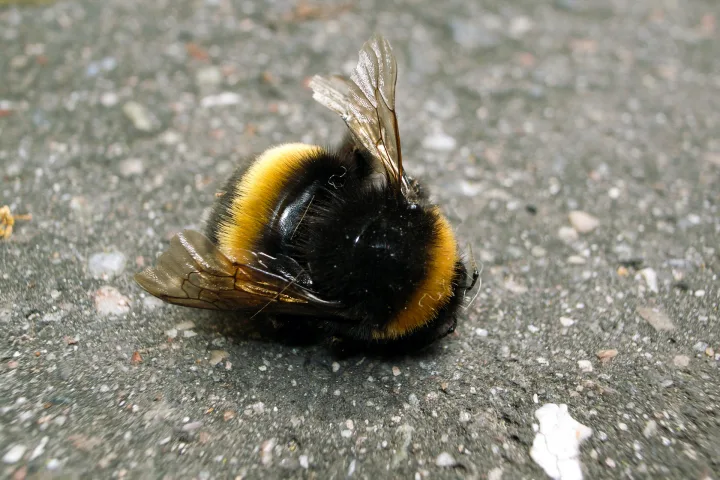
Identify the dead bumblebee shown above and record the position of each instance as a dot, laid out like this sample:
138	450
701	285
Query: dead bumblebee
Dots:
338	240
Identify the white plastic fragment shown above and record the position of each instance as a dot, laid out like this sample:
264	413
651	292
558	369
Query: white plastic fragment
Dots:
556	447
651	279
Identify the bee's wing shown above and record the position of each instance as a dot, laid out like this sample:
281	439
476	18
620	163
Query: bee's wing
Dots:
367	104
194	273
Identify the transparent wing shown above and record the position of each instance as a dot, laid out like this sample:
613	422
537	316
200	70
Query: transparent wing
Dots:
366	103
194	273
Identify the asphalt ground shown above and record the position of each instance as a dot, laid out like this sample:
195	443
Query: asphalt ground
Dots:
119	120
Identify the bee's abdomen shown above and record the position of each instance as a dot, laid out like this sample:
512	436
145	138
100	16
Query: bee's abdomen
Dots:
370	251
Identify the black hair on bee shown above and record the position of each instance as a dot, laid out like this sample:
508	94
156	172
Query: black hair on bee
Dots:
341	240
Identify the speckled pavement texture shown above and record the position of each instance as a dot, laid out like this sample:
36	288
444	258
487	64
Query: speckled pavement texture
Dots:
574	144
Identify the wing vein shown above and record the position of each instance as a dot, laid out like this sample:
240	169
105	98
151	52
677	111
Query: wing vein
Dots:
366	102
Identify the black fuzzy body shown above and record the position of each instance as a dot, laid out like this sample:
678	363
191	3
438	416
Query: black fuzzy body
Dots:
351	239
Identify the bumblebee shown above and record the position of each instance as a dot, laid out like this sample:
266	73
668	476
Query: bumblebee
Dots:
338	240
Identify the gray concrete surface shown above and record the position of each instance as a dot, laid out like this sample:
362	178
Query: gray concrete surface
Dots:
119	119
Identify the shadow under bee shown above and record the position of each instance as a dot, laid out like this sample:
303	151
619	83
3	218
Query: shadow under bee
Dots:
308	334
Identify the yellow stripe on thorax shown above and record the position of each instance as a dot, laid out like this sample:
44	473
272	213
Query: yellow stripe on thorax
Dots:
436	289
257	195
